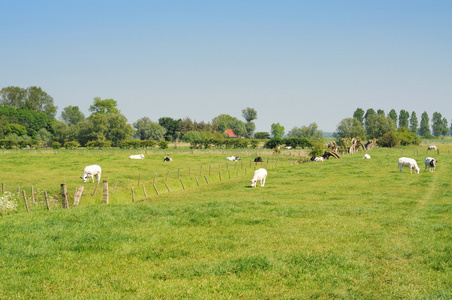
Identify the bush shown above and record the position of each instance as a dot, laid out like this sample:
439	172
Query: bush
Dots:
8	143
56	145
273	143
407	137
389	139
163	145
71	145
254	144
98	144
7	203
318	149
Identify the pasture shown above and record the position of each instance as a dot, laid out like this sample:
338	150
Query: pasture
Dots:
345	228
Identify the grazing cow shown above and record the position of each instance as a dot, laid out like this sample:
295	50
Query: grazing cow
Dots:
259	175
366	156
167	159
408	162
91	171
431	147
430	163
139	156
233	158
316	159
258	159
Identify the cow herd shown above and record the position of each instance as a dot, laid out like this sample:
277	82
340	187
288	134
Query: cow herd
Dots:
261	174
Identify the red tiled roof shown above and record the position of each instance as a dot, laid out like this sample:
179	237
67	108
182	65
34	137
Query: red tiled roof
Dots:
230	133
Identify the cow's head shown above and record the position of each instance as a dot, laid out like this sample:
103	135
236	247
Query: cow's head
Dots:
84	178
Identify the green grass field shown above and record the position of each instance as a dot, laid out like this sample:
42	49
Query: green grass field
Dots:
345	228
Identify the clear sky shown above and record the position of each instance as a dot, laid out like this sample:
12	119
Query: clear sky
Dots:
294	62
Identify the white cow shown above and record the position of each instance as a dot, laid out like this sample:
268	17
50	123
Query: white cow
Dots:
91	171
233	158
431	147
139	156
408	162
259	175
430	163
366	156
317	159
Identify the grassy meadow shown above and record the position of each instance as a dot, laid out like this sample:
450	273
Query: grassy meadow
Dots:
345	228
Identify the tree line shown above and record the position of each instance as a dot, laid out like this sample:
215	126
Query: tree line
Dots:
28	118
392	129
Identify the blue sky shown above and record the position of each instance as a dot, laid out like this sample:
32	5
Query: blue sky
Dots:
294	62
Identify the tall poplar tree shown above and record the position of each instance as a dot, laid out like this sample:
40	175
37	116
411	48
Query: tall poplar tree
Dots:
393	115
403	118
359	114
424	129
413	123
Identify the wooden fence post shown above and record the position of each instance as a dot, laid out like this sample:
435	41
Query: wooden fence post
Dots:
182	184
3	188
64	195
133	194
197	180
26	202
78	195
157	191
205	177
167	187
145	194
47	200
220	175
139	178
210	168
32	194
167	174
155	177
105	191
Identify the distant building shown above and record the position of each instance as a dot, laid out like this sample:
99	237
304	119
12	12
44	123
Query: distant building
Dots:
230	133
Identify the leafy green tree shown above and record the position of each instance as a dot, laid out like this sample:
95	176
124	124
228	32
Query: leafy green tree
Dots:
104	106
171	127
414	123
310	132
148	130
350	128
32	120
424	128
61	132
44	137
17	129
359	115
93	128
250	127
403	118
118	129
439	125
31	98
249	114
71	115
393	115
380	112
224	121
277	130
370	112
378	125
186	125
